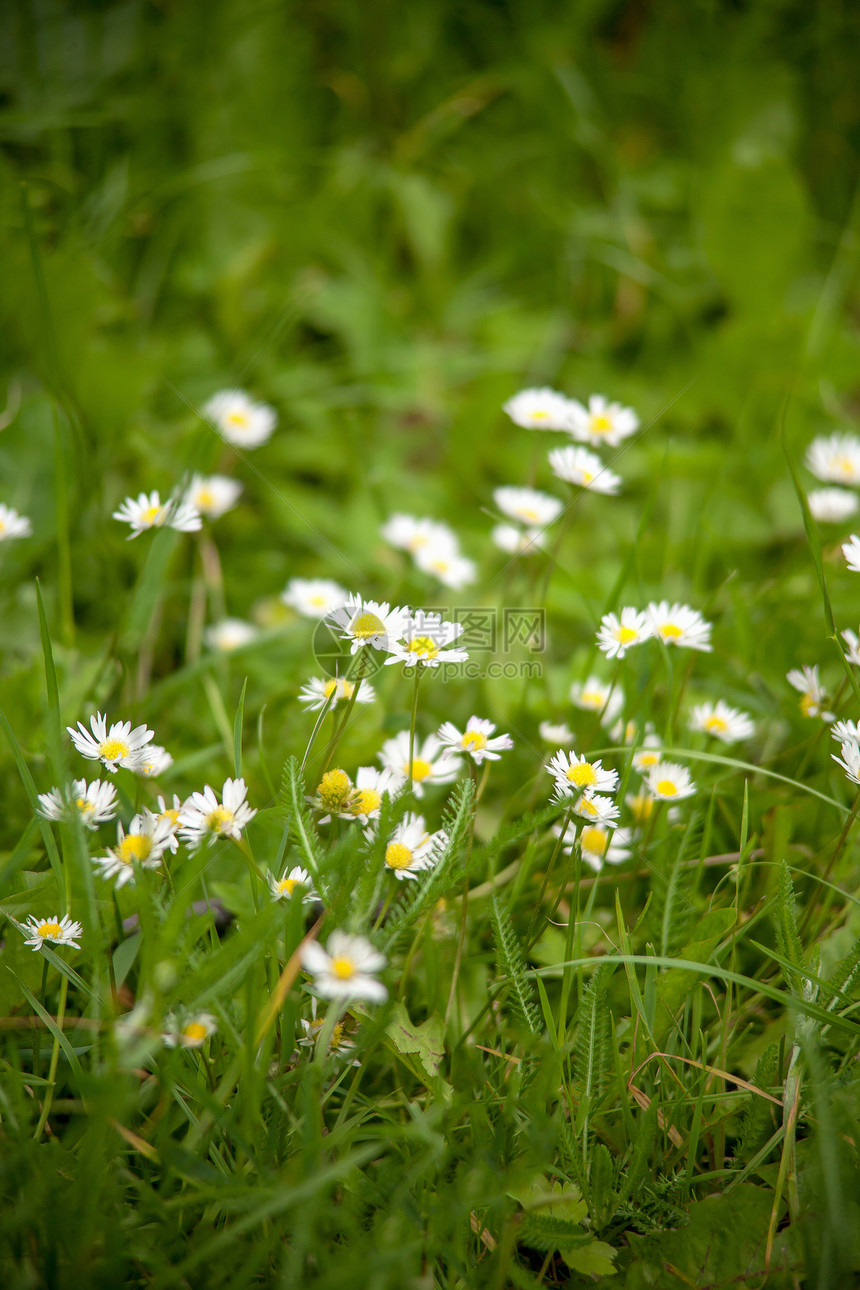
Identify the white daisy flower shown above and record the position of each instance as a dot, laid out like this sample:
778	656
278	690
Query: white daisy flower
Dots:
316	693
846	732
213	495
595	808
598	845
147	511
286	887
668	781
370	786
95	803
832	505
813	696
51	931
13	525
408	533
448	567
851	551
340	1044
155	762
240	420
370	623
147	839
850	760
835	458
528	506
616	636
346	968
192	1033
583	469
229	634
119	746
595	695
411	849
679	625
555	733
203	816
477	740
426	639
574	774
648	753
601	422
515	541
541	409
430	765
851	639
721	721
314	597
169	816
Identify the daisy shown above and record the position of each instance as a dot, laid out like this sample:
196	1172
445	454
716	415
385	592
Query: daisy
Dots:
169	815
477	740
583	469
192	1034
648	753
616	636
574	774
370	786
721	721
51	931
668	781
229	634
412	849
203	816
835	458
679	625
449	567
430	764
601	422
850	760
514	541
424	637
156	761
846	732
641	807
596	696
852	653
598	845
541	409
316	693
851	551
346	968
369	622
555	733
596	808
314	597
95	803
213	495
334	793
528	505
340	1045
13	525
144	844
147	511
408	533
813	696
832	505
119	746
285	888
240	420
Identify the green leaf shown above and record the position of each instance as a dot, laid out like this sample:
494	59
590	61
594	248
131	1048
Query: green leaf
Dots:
596	1259
426	1042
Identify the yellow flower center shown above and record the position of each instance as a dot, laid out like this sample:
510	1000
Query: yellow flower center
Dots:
807	703
287	886
845	466
671	631
539	416
343	968
592	698
423	647
420	769
113	749
416	543
365	800
587	807
641	808
600	424
365	626
473	741
586	478
152	515
50	931
134	846
171	814
219	819
334	790
594	840
625	635
204	499
648	759
529	515
717	725
317	601
237	418
583	774
666	788
195	1031
85	807
2	527
398	856
440	566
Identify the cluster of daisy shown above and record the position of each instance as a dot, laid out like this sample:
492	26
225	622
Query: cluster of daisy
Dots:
673	624
434	547
835	460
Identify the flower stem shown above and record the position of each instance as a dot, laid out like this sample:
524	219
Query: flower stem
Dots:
412	723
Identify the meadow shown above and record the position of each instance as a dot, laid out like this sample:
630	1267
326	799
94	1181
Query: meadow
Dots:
429	661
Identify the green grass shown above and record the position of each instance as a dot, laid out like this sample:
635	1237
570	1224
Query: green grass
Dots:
384	221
